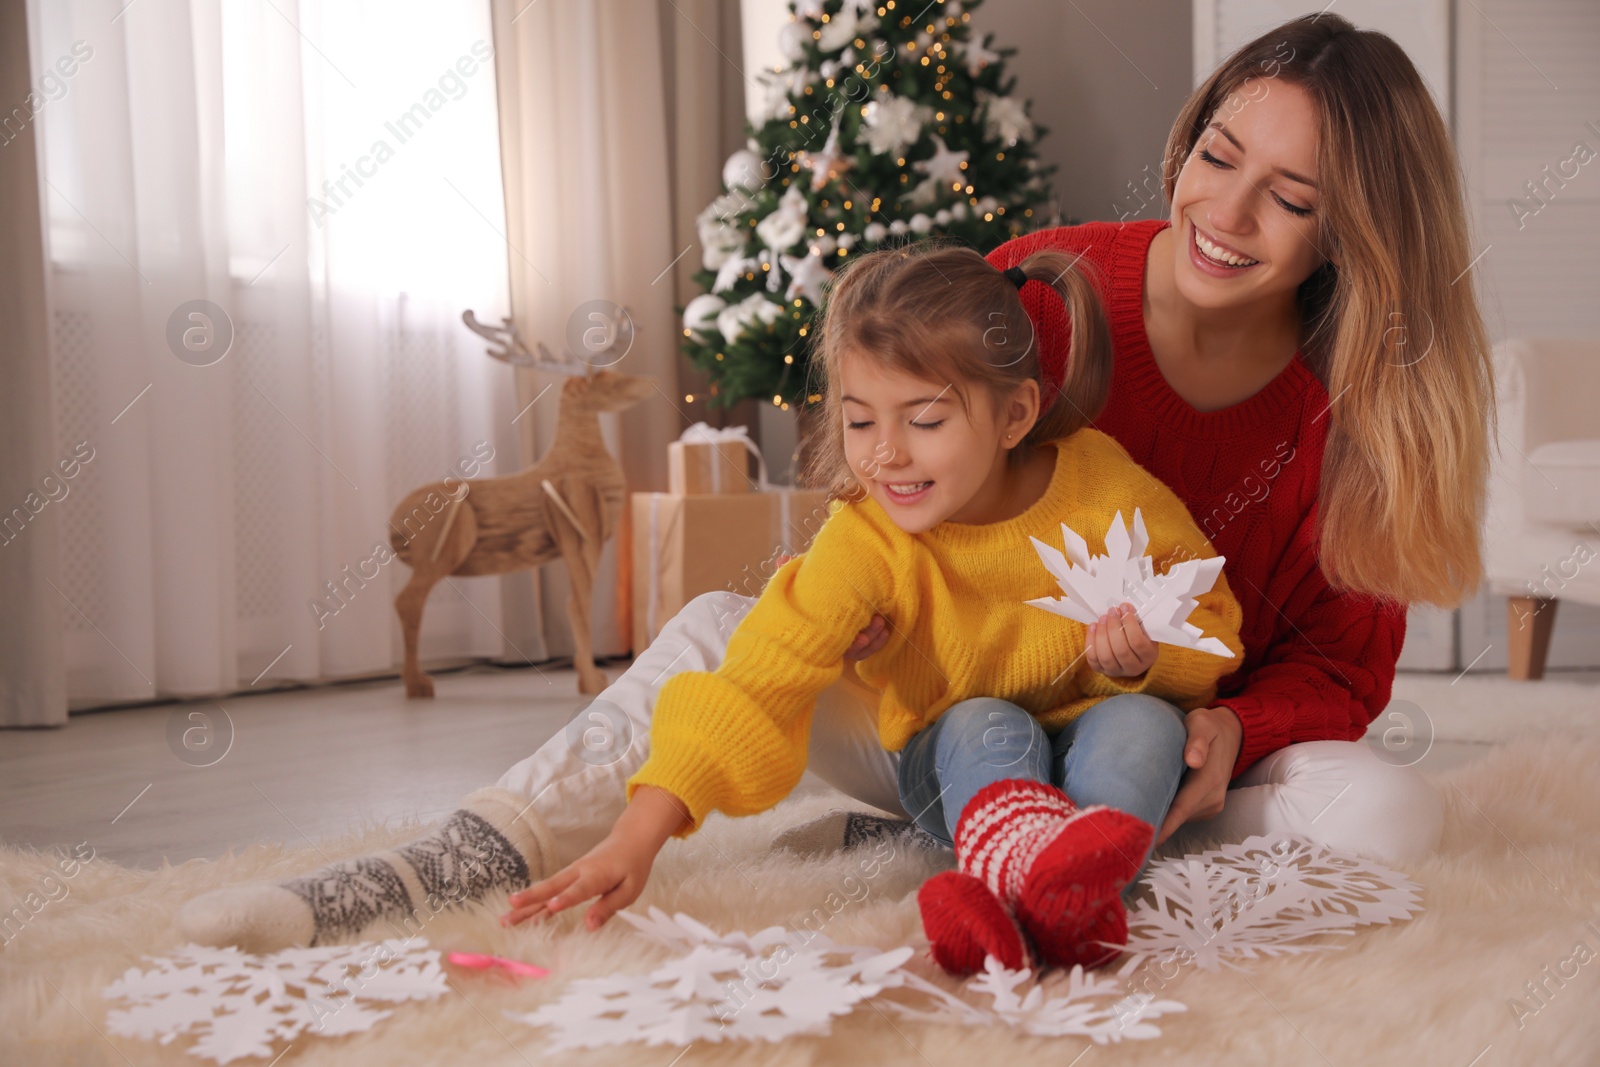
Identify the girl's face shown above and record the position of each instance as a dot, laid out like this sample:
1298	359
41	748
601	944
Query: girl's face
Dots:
919	453
1244	209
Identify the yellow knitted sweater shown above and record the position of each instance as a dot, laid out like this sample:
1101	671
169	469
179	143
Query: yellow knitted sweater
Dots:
735	740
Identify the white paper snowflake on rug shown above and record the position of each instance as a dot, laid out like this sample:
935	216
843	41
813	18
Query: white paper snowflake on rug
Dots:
1263	897
1092	1005
767	986
780	983
238	1005
1125	575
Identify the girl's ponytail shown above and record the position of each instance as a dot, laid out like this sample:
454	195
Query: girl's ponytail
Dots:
1077	380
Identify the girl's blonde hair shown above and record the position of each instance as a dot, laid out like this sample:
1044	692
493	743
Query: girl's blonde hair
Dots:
1391	325
941	312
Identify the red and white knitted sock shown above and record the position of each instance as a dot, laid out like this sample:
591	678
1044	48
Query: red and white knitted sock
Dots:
1059	868
965	922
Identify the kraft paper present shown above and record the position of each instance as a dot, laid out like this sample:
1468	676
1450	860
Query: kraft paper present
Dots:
687	545
705	459
698	468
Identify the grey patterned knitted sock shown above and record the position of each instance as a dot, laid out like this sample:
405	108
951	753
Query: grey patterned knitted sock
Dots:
492	842
840	830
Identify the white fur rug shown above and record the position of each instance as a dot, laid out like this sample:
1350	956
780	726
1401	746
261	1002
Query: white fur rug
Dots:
1507	898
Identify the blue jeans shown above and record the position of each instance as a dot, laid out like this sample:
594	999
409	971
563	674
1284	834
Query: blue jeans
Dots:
1125	752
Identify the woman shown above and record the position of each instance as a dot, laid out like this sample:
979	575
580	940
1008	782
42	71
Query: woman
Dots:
1299	358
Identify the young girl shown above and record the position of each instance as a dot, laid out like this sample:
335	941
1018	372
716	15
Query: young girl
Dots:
951	445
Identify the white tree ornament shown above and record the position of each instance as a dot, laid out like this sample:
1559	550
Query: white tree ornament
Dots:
806	276
1260	898
787	223
775	87
827	164
1006	117
743	170
238	1005
924	193
701	313
893	124
852	20
944	166
720	238
978	55
1095	584
792	40
732	267
753	310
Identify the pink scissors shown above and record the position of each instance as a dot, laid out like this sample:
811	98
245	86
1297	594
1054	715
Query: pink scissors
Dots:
479	962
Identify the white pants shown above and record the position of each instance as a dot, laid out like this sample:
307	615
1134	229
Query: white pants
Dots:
1339	793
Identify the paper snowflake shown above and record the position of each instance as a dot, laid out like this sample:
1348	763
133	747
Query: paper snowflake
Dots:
767	986
238	1005
1125	575
779	983
1260	898
1094	1006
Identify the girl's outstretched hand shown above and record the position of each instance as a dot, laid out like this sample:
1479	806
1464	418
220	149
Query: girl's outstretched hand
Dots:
615	870
1117	646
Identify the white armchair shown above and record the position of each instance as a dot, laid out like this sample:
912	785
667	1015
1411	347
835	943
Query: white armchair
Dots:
1542	538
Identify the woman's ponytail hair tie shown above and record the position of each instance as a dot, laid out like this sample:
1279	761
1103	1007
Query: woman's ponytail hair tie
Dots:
1018	276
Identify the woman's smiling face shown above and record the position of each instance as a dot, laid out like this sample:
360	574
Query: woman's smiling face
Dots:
1244	208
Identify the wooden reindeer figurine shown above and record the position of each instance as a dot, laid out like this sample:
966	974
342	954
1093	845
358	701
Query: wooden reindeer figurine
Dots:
565	506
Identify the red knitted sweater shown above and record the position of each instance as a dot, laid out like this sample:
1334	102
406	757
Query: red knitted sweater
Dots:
1318	664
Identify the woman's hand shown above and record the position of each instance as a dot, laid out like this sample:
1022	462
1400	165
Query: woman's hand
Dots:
1117	646
1212	750
615	870
868	641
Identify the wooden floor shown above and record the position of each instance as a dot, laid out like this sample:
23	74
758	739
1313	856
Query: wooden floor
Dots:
302	765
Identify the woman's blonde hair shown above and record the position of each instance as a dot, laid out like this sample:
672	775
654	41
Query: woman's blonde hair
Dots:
941	312
1392	328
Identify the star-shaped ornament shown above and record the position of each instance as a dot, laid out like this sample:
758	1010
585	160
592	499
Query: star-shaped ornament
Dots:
944	166
827	164
978	56
806	276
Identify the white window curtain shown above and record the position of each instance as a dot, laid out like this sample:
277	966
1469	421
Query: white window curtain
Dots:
326	174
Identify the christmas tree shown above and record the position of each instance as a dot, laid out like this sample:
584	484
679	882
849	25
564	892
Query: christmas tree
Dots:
888	122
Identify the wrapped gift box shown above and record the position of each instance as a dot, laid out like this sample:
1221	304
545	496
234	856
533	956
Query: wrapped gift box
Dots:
698	468
709	460
685	545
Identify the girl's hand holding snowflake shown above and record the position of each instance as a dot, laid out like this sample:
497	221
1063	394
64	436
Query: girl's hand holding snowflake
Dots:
1117	645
